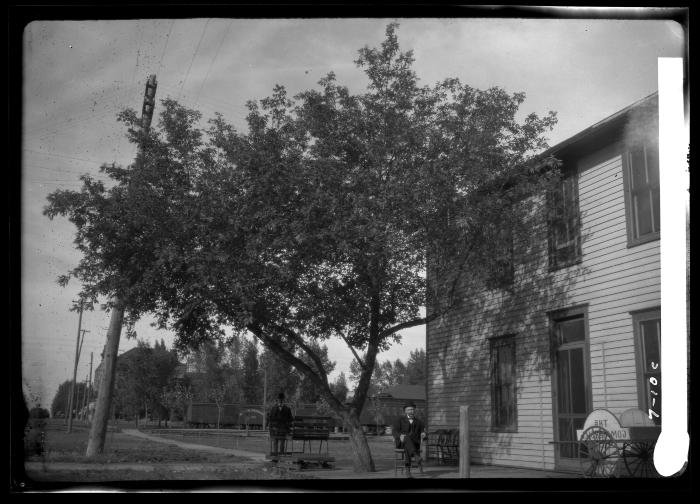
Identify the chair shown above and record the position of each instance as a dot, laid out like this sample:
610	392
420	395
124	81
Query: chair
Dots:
399	461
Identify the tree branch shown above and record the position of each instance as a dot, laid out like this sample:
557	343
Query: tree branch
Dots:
302	344
320	379
354	352
409	324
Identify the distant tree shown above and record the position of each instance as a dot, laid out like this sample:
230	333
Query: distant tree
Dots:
180	396
39	412
252	382
416	368
218	393
388	374
339	388
281	376
308	390
214	374
59	404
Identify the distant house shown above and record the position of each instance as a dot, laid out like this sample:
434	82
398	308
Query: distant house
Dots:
405	393
577	327
100	370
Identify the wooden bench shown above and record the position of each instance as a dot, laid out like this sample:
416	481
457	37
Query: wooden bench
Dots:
311	428
443	445
308	429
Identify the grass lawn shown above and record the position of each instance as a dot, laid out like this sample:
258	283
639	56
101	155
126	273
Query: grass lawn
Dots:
382	447
129	458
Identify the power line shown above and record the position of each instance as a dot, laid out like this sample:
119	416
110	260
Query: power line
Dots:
194	55
138	49
167	39
87	160
213	60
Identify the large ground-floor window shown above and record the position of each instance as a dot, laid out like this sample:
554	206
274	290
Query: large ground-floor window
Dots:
647	330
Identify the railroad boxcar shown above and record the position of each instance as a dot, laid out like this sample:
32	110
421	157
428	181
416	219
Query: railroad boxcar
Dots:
206	416
233	416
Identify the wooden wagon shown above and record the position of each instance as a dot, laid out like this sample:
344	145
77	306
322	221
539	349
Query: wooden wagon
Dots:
612	447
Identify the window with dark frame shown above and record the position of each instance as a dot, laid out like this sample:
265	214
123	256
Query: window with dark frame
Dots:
641	177
503	398
647	329
564	223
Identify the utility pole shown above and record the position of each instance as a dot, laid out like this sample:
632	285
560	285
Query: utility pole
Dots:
87	411
98	430
83	403
80	397
264	412
75	370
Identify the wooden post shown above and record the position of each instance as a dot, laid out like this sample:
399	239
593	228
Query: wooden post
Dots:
464	441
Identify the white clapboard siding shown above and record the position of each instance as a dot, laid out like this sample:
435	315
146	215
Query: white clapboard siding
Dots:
611	281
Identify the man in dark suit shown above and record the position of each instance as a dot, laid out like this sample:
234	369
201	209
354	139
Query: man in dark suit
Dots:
280	423
408	431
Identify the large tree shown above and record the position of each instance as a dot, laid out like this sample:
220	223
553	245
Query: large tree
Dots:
318	222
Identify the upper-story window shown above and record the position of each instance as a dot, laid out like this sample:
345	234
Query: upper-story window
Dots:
564	223
501	274
641	176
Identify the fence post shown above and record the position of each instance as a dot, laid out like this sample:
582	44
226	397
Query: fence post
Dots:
464	441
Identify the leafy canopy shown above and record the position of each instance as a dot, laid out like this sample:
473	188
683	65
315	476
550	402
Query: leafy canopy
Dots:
319	220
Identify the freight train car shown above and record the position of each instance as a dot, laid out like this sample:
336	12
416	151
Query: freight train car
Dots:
233	416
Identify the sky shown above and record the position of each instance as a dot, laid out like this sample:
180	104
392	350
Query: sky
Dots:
77	75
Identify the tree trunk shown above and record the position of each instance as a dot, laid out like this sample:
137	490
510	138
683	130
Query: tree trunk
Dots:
98	430
362	461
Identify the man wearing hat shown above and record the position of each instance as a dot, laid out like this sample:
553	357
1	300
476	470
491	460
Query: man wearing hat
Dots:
280	423
408	431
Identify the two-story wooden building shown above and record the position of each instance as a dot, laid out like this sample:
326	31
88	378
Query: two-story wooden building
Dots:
578	327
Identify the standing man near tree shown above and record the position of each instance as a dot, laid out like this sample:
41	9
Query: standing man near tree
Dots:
280	422
408	431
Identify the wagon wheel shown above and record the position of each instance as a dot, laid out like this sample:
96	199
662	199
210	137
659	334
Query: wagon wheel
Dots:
639	459
599	453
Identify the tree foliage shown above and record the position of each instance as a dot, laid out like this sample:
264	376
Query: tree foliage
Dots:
388	374
59	404
318	222
142	374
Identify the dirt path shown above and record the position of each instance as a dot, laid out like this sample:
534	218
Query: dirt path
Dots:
257	457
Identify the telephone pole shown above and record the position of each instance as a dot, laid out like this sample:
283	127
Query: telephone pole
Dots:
98	429
89	389
75	370
79	349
